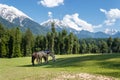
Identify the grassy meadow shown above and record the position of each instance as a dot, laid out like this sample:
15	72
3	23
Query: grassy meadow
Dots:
95	64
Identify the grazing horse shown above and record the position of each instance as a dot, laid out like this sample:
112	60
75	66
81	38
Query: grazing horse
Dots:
42	54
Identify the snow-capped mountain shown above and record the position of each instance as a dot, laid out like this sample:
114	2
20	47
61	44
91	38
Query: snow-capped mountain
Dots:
111	31
18	18
59	25
12	14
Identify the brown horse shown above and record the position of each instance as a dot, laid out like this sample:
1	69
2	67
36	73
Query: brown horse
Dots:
42	54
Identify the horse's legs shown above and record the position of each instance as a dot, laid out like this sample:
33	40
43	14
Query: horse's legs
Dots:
40	60
33	58
37	60
46	59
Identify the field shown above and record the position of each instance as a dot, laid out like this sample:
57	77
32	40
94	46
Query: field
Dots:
67	67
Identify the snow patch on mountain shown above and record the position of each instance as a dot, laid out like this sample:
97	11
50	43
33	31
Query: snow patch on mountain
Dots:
58	23
110	31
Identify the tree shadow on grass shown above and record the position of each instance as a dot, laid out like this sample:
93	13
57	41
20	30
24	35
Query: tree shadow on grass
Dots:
113	74
79	61
30	65
110	64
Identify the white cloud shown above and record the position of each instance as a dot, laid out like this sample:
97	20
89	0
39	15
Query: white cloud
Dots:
76	23
112	16
98	26
50	15
104	11
51	3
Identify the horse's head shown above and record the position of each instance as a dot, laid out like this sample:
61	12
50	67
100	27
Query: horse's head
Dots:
53	56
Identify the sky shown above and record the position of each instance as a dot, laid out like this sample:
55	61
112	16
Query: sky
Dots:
93	15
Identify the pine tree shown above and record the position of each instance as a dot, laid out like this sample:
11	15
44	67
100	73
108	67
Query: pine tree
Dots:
53	36
109	42
116	45
63	41
10	46
27	43
17	43
3	41
71	40
83	47
103	47
76	45
1	36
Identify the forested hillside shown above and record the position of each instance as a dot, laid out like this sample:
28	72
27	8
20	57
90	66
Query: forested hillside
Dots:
14	43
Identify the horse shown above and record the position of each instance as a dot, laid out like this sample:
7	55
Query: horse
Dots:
42	54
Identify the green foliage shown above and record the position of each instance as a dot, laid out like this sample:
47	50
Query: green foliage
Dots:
17	43
13	43
3	41
27	43
103	47
116	45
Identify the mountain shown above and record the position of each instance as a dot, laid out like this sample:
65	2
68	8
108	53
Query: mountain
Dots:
116	35
85	34
101	35
60	25
13	16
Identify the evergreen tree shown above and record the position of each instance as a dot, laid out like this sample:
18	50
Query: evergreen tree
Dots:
57	44
103	47
27	43
63	37
1	36
70	41
10	46
3	41
95	48
89	48
116	45
48	38
17	43
40	43
52	36
83	48
76	45
109	42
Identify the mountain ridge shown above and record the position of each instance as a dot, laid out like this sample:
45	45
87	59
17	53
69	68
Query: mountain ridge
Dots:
81	33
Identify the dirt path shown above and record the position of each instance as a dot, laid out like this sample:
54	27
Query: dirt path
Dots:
83	76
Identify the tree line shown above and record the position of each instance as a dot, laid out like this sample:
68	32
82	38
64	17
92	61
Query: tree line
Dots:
14	43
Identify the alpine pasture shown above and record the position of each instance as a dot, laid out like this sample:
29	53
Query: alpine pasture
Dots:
66	67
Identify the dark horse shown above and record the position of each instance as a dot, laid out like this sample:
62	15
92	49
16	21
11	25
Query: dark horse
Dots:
42	54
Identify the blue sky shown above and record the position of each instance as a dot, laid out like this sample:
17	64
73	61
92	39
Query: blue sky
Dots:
99	15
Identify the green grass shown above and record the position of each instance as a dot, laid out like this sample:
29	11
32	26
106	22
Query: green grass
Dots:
21	68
